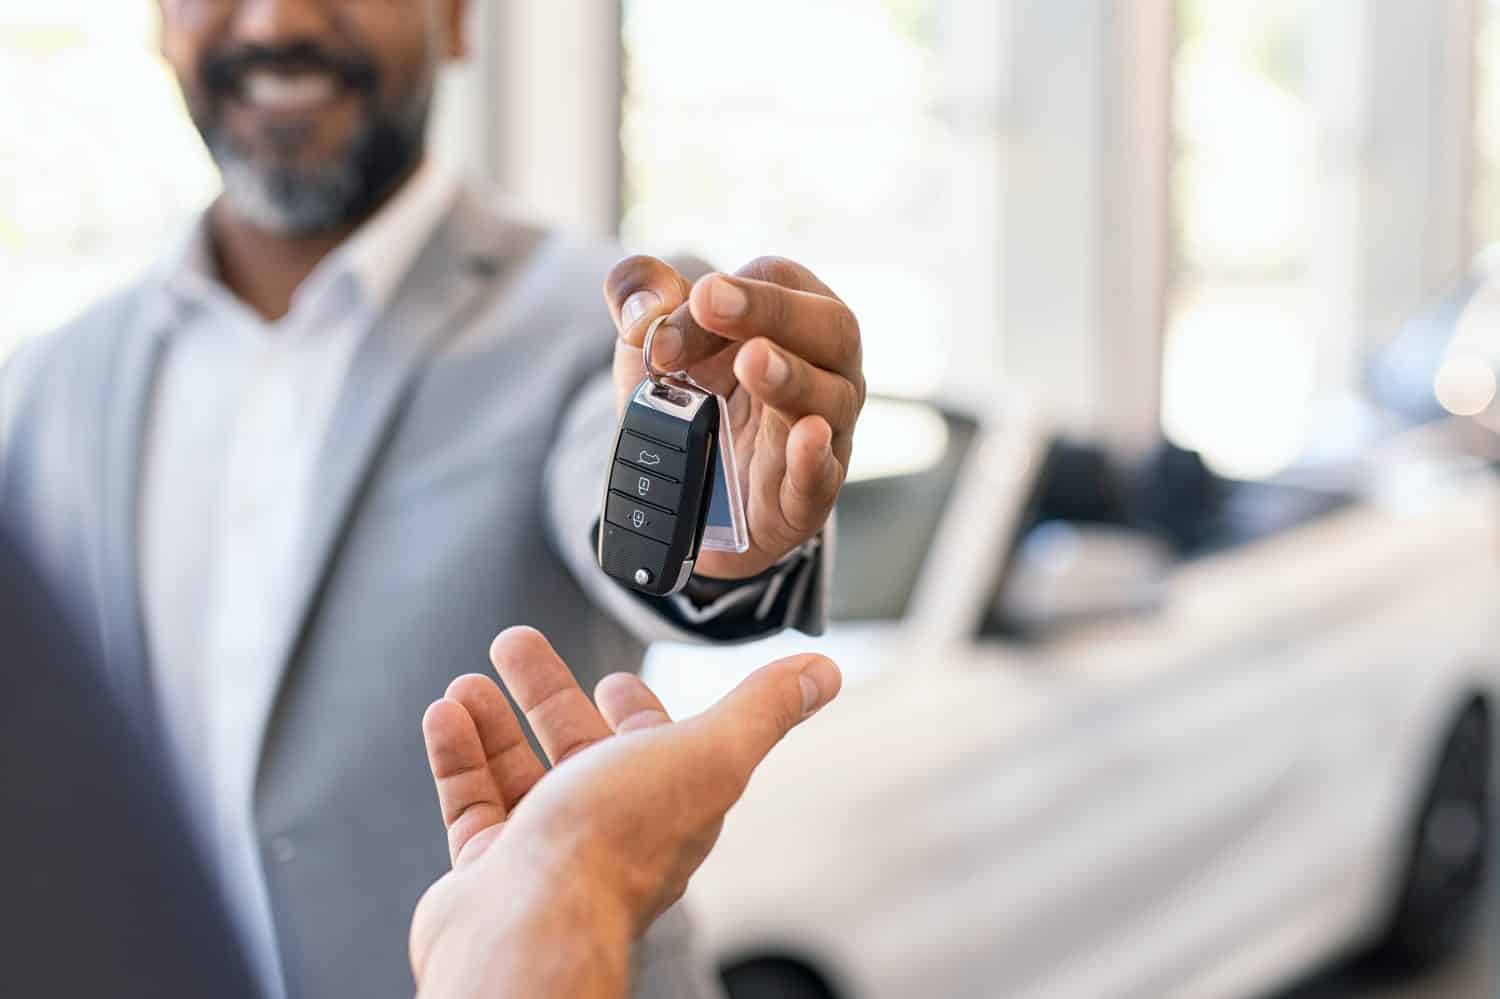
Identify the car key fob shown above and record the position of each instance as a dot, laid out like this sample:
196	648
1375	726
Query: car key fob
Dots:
660	484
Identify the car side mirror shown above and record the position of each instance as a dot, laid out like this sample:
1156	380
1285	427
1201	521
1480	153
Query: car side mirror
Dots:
1067	573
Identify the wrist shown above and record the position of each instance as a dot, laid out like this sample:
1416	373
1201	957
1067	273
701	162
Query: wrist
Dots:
554	933
575	942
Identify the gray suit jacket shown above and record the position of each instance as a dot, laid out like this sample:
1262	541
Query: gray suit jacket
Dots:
459	485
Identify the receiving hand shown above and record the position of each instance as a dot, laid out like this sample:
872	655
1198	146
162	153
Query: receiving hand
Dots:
785	353
556	871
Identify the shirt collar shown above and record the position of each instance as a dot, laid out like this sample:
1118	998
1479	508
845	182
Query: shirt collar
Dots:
377	256
381	252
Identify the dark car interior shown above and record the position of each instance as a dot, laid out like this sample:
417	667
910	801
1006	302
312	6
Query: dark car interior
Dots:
887	525
1171	495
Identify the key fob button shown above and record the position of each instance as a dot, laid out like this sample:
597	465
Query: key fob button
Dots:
640	518
651	456
642	485
659	426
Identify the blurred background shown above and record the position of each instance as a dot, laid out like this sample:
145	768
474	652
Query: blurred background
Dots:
1214	269
1268	190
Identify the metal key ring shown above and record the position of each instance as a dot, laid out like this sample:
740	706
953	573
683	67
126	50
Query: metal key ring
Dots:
652	375
666	379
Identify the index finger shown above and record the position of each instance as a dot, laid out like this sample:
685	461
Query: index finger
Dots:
702	342
817	328
787	274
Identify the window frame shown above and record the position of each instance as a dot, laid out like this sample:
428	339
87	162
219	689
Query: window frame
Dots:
1080	256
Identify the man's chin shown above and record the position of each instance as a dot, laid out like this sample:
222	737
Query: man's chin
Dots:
286	202
279	194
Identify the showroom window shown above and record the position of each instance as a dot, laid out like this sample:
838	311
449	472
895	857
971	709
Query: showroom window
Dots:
1241	349
904	149
1487	128
99	163
742	136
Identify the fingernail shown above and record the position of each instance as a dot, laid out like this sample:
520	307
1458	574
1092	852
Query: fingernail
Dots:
777	370
666	347
820	682
811	696
726	300
637	307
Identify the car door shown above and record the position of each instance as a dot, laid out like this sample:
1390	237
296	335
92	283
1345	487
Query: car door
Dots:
1180	740
1258	738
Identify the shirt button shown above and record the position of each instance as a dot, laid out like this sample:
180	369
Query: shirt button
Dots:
283	849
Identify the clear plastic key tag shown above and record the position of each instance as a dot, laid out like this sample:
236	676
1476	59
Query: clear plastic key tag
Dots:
726	529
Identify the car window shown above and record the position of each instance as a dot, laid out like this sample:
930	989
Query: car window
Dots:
1170	496
1076	483
907	459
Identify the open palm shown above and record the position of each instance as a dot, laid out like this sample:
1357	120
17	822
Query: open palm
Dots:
633	800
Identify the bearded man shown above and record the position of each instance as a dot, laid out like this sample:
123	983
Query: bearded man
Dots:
357	421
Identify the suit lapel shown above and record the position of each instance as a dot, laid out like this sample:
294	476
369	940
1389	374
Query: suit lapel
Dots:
128	394
446	286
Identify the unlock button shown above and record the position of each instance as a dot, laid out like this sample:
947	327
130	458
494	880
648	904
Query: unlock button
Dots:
637	483
640	518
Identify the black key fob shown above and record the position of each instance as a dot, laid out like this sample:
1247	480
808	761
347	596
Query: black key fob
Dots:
660	484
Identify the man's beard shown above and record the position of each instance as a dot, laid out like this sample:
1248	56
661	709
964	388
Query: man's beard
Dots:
283	198
298	201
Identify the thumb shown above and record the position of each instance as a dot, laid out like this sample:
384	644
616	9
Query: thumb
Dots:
754	717
640	288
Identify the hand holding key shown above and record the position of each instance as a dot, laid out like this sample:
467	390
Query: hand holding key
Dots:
785	354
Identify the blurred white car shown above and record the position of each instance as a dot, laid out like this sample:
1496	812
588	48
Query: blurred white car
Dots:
1119	733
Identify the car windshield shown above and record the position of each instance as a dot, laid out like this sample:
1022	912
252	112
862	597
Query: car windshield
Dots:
907	460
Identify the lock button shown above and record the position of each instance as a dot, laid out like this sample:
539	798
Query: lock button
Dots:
646	520
637	483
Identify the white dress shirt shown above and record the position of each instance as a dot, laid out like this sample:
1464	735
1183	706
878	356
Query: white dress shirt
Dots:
238	415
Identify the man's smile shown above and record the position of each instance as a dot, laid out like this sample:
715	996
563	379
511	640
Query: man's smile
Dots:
289	93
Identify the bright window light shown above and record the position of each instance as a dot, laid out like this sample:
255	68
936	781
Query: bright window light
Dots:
1487	129
97	164
819	143
1241	352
